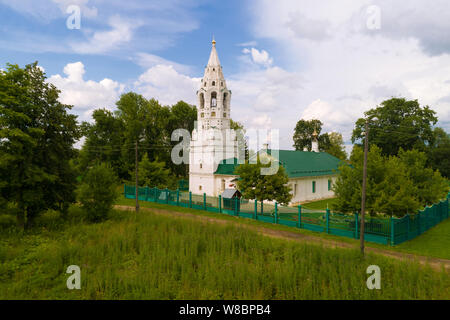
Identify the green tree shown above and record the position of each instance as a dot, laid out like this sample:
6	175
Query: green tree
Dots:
336	146
98	192
104	140
397	123
36	144
255	185
240	133
396	185
303	135
439	152
182	116
154	174
430	186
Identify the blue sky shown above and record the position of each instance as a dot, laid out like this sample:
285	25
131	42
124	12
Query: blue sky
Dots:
284	60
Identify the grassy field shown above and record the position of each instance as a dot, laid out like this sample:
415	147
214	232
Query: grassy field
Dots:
155	257
435	242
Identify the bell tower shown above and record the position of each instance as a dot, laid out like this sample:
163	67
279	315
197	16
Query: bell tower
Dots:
213	96
212	140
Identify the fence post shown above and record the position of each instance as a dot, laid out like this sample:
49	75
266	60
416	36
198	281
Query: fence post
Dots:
256	209
235	206
167	196
418	223
356	225
204	201
392	232
190	199
407	226
276	212
262	210
146	193
299	224
178	197
328	220
125	190
220	203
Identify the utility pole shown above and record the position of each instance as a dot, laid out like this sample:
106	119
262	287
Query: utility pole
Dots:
363	198
137	185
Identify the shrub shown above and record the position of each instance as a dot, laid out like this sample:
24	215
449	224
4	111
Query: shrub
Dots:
98	192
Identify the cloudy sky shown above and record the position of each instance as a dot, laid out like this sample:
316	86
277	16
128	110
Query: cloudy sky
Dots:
284	60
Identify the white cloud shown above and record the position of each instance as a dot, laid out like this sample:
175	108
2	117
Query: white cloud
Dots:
343	69
84	95
259	57
165	84
120	33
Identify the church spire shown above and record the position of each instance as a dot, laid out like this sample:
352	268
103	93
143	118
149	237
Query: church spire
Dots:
213	57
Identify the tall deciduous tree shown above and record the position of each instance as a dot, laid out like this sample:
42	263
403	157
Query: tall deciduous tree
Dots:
396	185
439	152
398	123
104	140
336	146
36	143
303	135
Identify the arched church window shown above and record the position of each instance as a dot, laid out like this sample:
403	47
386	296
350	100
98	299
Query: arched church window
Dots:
202	115
224	115
223	184
213	99
213	83
213	114
224	99
202	100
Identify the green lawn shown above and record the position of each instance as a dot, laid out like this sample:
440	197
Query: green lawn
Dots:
434	242
319	205
149	256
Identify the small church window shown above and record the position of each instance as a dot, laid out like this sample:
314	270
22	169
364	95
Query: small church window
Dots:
200	188
314	187
213	99
329	185
213	83
202	100
201	166
221	83
295	189
205	84
202	115
224	115
213	114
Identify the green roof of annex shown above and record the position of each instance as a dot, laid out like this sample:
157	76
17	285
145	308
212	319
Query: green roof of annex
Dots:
296	163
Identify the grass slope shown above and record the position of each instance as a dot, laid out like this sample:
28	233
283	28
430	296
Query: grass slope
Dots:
149	256
435	242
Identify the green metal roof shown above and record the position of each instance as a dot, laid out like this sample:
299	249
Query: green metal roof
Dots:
305	163
296	163
227	166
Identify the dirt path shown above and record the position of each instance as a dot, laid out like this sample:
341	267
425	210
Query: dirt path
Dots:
435	263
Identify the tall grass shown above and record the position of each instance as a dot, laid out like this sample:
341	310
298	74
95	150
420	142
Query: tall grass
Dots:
154	257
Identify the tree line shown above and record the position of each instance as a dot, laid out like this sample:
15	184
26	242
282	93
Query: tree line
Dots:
40	169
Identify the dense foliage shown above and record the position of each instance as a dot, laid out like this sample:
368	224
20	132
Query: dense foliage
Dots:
396	185
398	123
37	135
255	185
332	142
98	192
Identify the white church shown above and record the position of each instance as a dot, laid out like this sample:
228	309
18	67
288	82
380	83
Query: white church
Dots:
214	153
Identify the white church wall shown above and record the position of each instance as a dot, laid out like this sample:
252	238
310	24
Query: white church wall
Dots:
302	188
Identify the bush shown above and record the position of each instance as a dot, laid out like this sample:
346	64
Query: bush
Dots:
98	192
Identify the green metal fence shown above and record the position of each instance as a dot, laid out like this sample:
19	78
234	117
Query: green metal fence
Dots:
390	231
